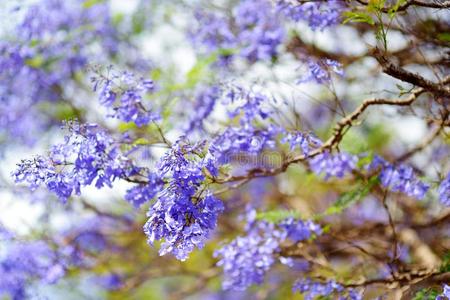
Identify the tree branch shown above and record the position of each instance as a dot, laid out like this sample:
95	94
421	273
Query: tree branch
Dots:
438	5
439	89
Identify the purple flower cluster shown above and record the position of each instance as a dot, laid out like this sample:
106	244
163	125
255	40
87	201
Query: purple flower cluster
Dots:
312	289
52	16
320	71
110	281
23	265
302	140
249	136
246	259
184	213
400	178
444	191
5	234
205	101
52	41
252	130
445	293
333	165
260	30
79	242
123	94
317	14
298	230
88	154
213	32
144	192
24	262
255	33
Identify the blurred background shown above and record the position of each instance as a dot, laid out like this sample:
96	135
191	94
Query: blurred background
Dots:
51	49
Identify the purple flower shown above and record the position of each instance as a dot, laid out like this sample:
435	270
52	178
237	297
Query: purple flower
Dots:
123	94
181	223
205	101
107	95
444	191
110	282
299	265
212	31
353	295
184	214
298	230
318	14
260	30
88	154
53	41
333	165
445	293
302	140
311	289
256	34
320	71
246	259
247	138
5	234
142	193
24	262
400	178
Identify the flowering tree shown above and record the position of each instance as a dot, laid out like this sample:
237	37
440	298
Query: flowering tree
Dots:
217	149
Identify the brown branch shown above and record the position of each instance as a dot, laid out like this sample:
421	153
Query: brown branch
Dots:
439	89
405	6
421	252
201	282
332	142
394	233
232	187
161	133
425	283
433	4
410	277
348	121
427	141
439	221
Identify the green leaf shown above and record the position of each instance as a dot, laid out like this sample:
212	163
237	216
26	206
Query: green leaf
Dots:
126	126
141	141
399	87
358	17
90	3
445	36
138	22
376	5
226	51
34	43
365	160
275	216
35	62
60	110
354	142
377	137
393	10
156	74
445	266
349	198
426	294
199	70
118	18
